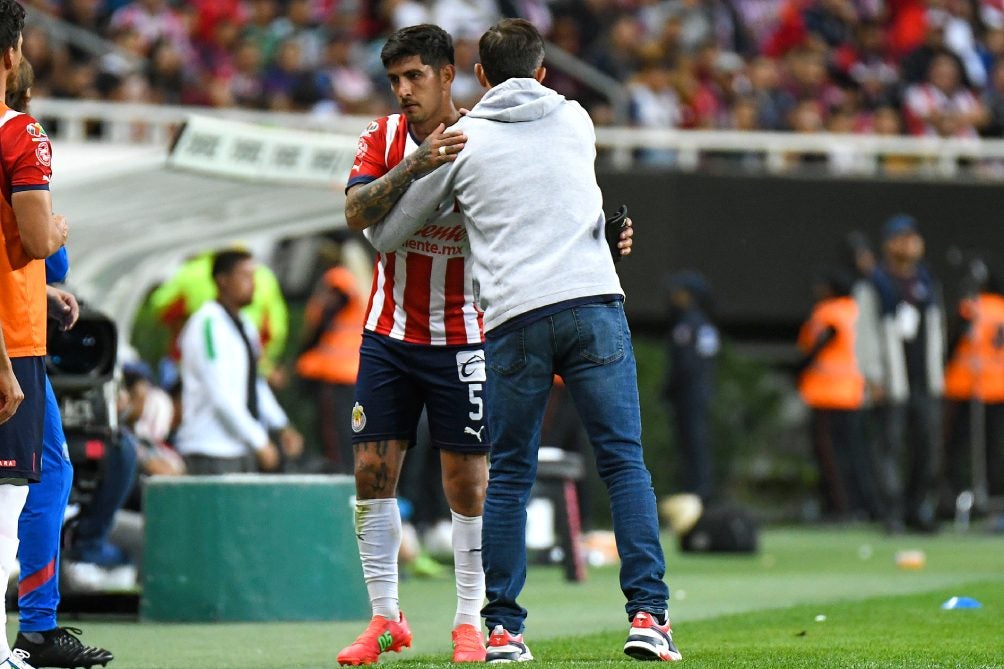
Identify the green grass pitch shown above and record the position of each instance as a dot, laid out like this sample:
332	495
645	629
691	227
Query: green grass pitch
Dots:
830	597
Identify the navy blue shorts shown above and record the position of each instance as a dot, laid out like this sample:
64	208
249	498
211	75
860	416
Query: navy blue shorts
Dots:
21	436
397	379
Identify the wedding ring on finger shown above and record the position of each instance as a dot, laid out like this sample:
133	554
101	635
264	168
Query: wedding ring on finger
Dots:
442	150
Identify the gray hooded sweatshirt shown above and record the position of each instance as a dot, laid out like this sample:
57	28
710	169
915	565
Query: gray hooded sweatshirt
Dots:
526	185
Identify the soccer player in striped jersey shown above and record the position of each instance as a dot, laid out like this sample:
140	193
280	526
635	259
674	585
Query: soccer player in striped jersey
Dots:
422	347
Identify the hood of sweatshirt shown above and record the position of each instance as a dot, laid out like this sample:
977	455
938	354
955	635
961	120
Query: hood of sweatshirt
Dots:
517	100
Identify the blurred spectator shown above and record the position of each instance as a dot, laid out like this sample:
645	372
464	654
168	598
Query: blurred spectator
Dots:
228	411
942	105
974	388
765	88
404	13
152	21
329	358
654	104
465	18
914	68
344	80
261	28
913	347
148	412
466	89
693	344
993	99
617	55
831	384
298	26
192	285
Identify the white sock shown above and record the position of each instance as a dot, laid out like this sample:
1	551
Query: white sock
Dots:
378	533
467	564
11	502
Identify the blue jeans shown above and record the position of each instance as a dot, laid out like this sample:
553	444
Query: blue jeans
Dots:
590	347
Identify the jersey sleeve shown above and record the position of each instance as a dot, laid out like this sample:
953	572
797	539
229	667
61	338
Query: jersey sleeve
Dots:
370	163
27	154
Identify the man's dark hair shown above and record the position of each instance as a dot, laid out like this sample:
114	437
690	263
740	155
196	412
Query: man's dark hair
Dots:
511	49
430	43
224	262
11	23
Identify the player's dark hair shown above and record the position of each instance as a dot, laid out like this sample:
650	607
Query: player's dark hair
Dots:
511	49
224	262
11	23
430	43
17	86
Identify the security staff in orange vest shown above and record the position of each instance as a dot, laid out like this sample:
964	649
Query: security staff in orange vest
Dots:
831	384
330	358
975	375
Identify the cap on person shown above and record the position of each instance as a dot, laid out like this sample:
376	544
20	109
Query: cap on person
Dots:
900	224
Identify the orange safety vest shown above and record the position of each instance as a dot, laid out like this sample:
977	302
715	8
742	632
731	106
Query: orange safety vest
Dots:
833	380
976	368
335	358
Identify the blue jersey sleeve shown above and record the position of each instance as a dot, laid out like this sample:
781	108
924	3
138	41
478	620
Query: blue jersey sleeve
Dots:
57	266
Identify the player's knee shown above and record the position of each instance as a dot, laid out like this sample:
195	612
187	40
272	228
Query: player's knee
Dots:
466	495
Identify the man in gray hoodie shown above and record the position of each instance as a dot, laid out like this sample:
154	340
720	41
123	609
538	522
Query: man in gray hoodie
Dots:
553	303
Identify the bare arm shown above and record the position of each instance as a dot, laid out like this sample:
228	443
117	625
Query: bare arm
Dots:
368	204
42	232
11	394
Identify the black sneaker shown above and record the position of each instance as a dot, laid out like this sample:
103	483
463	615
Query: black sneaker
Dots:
60	648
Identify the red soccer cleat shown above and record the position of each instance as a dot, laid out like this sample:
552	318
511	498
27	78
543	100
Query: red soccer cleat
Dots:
381	636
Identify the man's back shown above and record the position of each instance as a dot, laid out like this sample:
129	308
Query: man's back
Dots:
527	187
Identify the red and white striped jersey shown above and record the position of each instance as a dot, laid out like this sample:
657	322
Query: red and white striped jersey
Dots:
422	293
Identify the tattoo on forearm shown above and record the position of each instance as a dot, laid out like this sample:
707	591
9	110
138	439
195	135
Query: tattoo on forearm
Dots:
373	201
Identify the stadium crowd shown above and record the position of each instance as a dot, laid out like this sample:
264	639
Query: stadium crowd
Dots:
888	67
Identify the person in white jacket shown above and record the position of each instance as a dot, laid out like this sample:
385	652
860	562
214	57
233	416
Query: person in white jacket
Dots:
228	410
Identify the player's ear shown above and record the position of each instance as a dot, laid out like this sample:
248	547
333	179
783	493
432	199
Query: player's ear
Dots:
448	73
539	74
479	72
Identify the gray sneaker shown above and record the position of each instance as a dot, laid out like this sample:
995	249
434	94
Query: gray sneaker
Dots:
506	647
648	640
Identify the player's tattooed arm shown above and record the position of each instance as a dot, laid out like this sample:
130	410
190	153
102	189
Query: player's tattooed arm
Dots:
368	204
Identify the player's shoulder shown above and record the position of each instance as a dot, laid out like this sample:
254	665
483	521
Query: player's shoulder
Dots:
380	126
15	121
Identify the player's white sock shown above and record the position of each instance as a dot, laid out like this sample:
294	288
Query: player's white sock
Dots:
469	573
11	502
378	533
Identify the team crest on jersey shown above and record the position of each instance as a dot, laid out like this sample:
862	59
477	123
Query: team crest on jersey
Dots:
362	148
358	418
36	131
371	128
44	153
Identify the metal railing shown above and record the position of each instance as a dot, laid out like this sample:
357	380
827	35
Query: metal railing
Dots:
774	152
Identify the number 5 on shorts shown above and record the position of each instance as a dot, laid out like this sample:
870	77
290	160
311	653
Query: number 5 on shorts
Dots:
472	392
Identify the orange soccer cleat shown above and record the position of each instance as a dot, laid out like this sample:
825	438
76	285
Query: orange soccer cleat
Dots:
468	644
381	636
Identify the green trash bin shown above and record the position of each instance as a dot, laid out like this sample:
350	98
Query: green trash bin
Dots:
248	547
